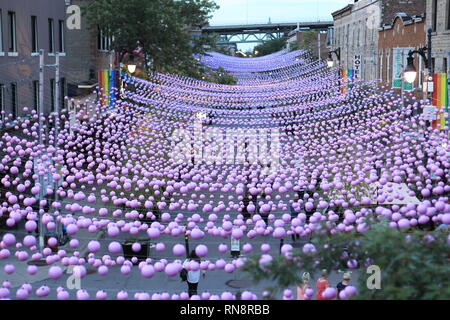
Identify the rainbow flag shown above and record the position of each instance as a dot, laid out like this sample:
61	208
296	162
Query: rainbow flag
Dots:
347	79
108	81
440	99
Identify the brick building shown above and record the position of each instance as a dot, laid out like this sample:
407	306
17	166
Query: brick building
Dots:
25	27
405	33
89	50
356	30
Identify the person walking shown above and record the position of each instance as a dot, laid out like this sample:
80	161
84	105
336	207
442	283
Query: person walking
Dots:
321	284
303	286
193	276
346	278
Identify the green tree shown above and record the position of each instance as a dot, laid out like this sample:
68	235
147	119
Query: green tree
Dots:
159	27
269	47
414	264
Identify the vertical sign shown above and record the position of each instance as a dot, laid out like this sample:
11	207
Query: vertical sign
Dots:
357	67
399	62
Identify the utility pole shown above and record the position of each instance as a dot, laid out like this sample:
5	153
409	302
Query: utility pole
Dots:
57	106
40	142
318	45
57	92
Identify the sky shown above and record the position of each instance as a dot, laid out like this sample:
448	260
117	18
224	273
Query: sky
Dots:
259	11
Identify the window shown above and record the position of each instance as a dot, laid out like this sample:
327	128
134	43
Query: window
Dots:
34	34
62	47
445	65
433	64
62	88
12	41
14	100
434	15
448	14
1	33
51	36
36	95
52	94
104	42
2	100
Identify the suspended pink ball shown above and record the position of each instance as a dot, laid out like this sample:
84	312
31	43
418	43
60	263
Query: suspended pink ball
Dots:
32	269
55	272
9	239
201	250
279	233
247	248
82	295
153	233
229	268
22	294
29	241
115	247
9	269
122	295
237	233
147	271
223	248
160	247
30	225
446	218
136	247
103	270
171	269
93	246
74	243
179	250
101	295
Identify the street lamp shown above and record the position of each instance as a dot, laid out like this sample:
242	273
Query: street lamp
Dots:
330	61
410	71
131	64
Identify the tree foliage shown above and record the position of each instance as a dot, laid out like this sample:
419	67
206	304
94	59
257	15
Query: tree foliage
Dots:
414	264
159	27
269	47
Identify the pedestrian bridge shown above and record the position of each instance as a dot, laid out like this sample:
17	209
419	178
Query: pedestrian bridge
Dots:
257	33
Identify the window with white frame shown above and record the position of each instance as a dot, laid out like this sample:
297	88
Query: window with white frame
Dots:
104	41
36	95
62	46
1	33
2	100
52	94
51	36
14	102
34	34
12	36
448	14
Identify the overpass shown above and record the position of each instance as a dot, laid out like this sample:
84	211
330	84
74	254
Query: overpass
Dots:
257	33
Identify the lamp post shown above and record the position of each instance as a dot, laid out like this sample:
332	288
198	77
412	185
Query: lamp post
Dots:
410	72
330	61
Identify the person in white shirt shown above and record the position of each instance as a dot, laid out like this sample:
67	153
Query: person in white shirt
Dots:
193	277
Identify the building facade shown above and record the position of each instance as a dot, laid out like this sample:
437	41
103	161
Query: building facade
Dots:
438	13
90	51
356	31
25	28
405	33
